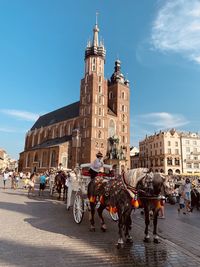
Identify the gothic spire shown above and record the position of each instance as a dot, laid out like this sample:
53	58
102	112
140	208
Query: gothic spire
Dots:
96	33
95	48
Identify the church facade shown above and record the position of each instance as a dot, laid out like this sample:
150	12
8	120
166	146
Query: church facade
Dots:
100	121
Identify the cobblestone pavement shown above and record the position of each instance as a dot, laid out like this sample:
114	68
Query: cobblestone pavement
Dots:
39	231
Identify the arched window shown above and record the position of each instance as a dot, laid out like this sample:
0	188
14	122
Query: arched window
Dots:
99	135
44	159
123	95
69	129
28	160
61	130
111	130
36	157
110	95
53	158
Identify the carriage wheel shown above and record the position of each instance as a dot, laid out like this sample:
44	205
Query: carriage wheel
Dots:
114	216
78	208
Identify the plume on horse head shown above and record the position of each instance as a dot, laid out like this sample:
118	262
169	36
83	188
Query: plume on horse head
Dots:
133	176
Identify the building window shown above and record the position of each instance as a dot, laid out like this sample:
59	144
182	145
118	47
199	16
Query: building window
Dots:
196	165
189	166
169	143
99	79
176	151
176	143
99	123
187	156
169	151
195	157
99	100
100	89
28	160
44	159
187	142
194	142
169	161
110	95
177	162
100	112
194	150
99	135
53	158
36	157
123	95
123	108
188	149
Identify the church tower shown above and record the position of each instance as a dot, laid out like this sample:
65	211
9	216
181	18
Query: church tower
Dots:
93	100
119	104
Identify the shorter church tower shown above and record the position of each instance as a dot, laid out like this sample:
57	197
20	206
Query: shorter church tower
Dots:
119	104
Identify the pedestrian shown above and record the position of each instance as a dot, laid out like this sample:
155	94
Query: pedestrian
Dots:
5	178
17	180
31	184
181	203
42	183
187	194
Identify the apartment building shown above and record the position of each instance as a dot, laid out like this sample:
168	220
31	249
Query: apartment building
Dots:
190	152
161	152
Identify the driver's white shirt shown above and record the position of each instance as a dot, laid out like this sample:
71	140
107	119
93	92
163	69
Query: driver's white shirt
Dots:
96	165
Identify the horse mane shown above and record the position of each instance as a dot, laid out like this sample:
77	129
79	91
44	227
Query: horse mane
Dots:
133	176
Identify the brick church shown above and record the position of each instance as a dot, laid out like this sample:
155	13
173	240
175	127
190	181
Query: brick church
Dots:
100	121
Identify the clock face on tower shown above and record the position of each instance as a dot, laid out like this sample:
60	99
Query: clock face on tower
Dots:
111	129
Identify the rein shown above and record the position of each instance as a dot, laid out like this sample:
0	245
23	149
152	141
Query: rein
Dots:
132	190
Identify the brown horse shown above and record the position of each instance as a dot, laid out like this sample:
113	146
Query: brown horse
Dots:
115	196
60	180
151	191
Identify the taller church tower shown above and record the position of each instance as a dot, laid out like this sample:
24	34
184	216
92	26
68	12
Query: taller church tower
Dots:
104	109
93	100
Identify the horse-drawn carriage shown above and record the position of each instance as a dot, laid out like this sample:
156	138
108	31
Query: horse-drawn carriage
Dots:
80	186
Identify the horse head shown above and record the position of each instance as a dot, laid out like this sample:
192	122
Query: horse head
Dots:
153	184
133	176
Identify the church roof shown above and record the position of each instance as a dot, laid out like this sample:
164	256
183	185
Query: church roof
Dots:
68	112
53	142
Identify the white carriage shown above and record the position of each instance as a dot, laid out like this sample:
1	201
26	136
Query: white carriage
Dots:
80	186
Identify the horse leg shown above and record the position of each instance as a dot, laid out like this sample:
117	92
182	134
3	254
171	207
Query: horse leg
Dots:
147	221
100	213
120	242
128	223
92	213
64	192
155	221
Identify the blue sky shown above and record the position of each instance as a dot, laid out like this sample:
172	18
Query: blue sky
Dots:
42	44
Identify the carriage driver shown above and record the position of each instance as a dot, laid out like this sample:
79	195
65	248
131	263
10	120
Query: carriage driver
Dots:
95	166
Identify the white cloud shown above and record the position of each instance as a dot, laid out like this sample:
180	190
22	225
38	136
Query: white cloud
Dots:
164	120
28	116
7	130
177	28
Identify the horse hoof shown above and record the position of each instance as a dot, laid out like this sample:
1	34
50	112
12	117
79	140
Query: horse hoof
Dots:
156	241
129	240
119	245
92	229
103	227
147	240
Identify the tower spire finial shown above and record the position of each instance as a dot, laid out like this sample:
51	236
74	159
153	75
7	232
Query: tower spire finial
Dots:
97	13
